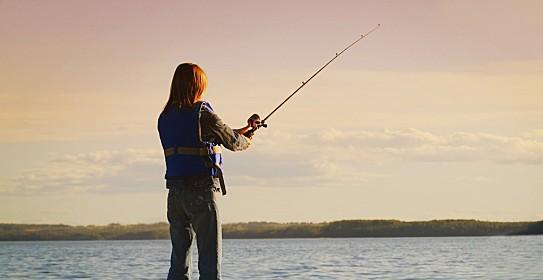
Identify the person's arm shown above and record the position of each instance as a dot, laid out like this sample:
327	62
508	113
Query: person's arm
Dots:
243	130
213	129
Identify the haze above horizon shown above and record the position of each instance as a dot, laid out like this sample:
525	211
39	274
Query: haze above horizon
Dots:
436	115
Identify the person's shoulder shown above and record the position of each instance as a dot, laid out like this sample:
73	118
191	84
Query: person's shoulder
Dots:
165	113
208	115
206	107
206	110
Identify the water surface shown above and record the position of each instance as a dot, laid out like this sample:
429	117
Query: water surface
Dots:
506	257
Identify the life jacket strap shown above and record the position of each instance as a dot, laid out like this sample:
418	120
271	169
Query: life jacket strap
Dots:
192	151
217	167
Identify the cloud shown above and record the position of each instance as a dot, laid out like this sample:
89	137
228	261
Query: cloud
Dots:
536	134
417	145
101	171
359	146
332	157
325	158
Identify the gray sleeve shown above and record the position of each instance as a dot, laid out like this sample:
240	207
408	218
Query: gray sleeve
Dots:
213	129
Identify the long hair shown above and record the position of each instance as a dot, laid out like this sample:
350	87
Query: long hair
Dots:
188	84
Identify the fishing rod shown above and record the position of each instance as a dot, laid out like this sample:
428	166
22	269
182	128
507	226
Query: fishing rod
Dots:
262	123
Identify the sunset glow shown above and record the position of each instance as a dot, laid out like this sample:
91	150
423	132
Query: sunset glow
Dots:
438	114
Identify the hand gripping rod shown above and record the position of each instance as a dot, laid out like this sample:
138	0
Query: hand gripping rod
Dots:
263	122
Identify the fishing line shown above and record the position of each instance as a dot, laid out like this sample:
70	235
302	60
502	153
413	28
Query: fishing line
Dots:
262	123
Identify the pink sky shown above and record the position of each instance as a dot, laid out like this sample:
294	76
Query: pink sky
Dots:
436	115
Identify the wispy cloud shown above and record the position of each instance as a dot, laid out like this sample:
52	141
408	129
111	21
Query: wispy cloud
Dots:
410	144
326	158
101	171
333	157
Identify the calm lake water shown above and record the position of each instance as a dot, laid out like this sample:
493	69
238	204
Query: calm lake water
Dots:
517	257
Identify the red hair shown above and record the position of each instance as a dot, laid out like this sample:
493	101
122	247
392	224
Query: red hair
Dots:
189	83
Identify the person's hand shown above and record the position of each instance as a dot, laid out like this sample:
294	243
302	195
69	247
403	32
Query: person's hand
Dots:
253	121
252	125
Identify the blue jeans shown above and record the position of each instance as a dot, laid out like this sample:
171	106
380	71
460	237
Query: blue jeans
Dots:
193	213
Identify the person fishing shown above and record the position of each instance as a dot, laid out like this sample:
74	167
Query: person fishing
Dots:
191	134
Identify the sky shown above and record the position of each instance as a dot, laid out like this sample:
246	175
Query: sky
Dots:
436	115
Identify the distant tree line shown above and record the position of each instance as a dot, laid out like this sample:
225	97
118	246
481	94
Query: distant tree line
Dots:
21	232
380	228
343	228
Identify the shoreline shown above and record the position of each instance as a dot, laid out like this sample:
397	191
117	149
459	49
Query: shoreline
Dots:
272	230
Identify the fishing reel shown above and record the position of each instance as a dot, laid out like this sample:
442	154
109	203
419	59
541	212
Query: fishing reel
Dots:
254	120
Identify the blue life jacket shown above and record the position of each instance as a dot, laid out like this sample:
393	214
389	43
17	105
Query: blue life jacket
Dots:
185	153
